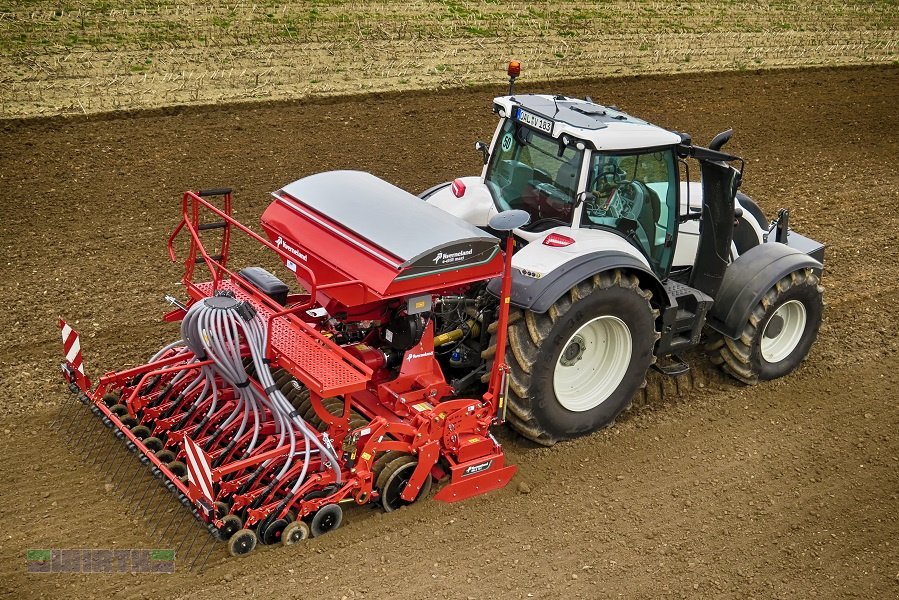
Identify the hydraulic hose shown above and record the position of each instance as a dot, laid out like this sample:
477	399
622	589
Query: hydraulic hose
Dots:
221	329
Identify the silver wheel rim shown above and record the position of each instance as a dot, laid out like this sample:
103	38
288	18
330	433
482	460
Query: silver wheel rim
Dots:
593	363
783	331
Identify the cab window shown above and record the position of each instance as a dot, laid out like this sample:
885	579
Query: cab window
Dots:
530	170
635	194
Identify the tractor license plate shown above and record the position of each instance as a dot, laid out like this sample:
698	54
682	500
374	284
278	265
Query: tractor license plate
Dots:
535	121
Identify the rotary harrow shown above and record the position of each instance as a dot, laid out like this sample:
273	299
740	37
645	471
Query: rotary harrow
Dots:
275	409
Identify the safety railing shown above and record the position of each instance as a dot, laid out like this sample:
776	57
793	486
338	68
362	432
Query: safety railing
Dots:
192	203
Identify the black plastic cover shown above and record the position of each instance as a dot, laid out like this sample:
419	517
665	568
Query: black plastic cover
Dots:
267	283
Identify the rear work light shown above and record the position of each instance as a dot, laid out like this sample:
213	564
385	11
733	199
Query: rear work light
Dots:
557	240
458	188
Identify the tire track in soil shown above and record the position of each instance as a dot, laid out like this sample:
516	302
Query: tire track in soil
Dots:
787	489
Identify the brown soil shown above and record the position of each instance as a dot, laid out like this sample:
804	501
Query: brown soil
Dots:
788	489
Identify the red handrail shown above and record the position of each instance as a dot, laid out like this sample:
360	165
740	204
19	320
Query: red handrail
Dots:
193	201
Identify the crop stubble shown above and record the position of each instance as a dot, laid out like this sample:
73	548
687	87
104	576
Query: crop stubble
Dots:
80	56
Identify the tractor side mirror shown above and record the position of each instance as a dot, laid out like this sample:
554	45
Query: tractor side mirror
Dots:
483	149
719	140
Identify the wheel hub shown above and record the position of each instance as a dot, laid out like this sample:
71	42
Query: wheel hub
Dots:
296	536
573	352
775	327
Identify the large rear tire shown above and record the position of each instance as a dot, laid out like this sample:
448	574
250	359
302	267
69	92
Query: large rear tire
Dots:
779	332
575	368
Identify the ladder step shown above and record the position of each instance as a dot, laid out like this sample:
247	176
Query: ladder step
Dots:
215	257
675	367
214	192
214	225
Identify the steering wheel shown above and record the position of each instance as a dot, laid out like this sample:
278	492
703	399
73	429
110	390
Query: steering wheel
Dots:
623	202
552	202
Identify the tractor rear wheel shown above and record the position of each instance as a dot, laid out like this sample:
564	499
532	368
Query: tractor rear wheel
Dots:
575	368
779	332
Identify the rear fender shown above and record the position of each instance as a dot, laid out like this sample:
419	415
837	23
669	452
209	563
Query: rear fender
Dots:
748	278
538	295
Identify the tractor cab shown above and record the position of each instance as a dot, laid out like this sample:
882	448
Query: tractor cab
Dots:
573	170
583	172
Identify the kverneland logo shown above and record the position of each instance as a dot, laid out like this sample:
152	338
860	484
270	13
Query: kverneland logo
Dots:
412	355
443	259
479	468
280	243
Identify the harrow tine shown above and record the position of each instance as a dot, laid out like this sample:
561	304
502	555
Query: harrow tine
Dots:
118	468
152	518
64	407
130	483
149	488
73	404
174	519
159	521
206	559
72	419
209	538
183	540
137	487
119	480
181	523
154	502
97	442
84	431
97	460
193	541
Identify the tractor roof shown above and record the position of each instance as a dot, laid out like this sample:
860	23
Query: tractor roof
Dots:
606	128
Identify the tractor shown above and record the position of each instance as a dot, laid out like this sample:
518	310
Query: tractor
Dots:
627	262
409	327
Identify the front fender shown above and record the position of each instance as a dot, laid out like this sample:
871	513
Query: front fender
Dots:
748	278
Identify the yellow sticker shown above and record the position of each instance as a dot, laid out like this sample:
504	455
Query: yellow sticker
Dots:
420	304
422	406
474	440
366	456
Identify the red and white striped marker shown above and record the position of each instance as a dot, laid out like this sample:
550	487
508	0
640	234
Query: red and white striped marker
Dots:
199	473
71	345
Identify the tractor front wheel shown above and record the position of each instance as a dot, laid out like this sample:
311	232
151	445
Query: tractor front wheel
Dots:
575	368
779	332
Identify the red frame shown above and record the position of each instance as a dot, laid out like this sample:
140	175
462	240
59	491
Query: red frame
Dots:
410	412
